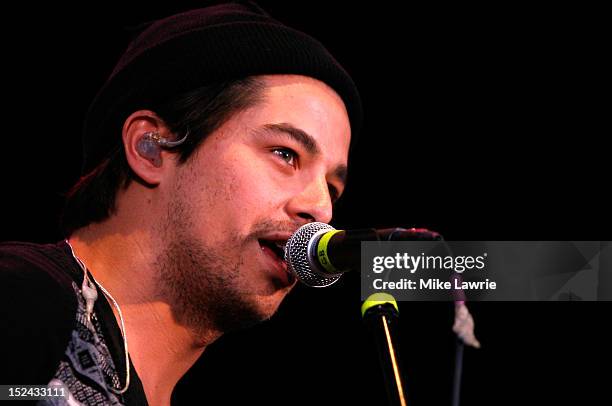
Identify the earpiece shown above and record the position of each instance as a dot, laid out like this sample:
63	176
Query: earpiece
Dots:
151	144
149	148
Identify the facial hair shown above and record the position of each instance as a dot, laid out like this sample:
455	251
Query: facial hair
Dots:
203	283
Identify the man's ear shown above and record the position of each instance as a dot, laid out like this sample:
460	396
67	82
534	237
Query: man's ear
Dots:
141	133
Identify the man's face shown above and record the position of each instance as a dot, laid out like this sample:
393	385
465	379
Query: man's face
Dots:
250	185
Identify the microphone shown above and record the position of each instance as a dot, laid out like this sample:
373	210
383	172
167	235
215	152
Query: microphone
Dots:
318	254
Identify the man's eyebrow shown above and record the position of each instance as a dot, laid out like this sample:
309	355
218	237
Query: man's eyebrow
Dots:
300	136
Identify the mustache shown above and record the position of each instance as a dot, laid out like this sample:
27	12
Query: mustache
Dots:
265	227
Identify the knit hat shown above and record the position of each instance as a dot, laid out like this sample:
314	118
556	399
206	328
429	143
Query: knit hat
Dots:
200	47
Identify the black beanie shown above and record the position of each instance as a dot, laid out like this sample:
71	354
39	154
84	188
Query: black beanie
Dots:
203	46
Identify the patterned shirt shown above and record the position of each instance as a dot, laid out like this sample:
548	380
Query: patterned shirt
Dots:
49	339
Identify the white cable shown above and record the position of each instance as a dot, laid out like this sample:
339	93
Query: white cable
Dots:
91	297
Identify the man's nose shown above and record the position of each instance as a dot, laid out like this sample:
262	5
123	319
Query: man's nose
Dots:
313	203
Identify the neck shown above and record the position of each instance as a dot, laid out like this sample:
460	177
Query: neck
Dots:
121	258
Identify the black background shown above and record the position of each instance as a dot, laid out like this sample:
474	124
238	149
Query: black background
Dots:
482	122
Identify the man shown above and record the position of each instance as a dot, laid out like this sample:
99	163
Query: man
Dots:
218	134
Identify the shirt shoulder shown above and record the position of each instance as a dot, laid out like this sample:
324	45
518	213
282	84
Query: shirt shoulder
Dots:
40	274
37	308
31	260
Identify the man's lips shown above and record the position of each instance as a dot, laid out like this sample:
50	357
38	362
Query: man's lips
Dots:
274	248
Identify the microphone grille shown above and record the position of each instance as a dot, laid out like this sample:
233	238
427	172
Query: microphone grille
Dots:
297	255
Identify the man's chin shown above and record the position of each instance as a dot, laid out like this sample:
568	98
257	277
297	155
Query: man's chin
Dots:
236	315
233	322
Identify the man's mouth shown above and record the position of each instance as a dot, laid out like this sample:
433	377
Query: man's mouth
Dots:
276	250
277	247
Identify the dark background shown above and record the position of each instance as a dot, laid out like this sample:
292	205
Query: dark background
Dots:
482	122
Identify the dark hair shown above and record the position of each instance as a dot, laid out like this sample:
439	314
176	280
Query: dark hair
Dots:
200	111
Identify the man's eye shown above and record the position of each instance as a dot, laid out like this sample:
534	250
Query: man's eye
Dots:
286	155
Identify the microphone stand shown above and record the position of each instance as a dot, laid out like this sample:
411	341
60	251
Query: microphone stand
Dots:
458	369
460	299
464	328
381	314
